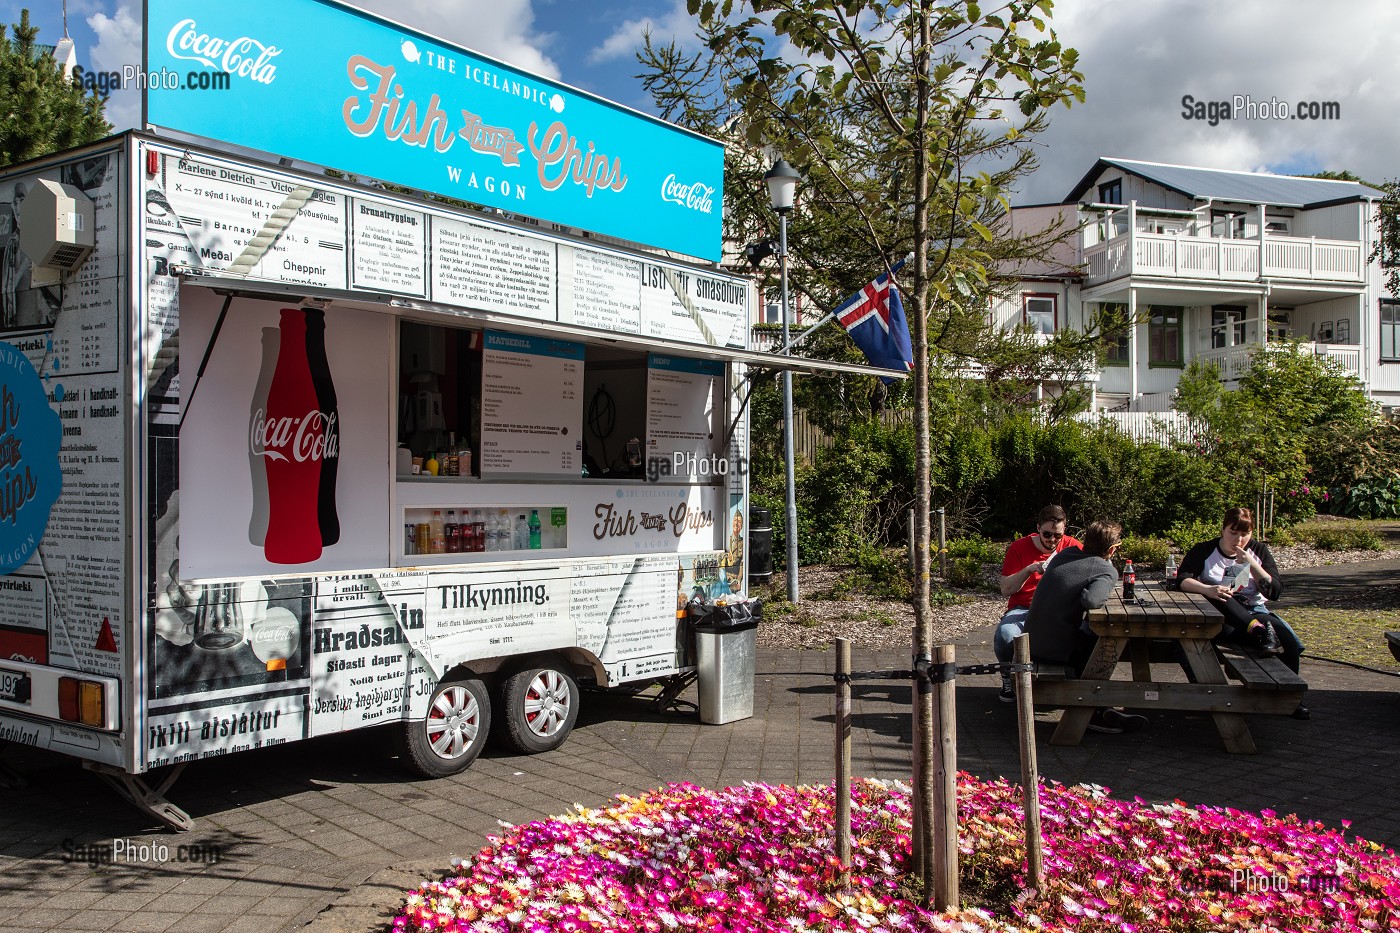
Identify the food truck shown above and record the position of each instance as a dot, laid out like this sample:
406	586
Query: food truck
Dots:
288	454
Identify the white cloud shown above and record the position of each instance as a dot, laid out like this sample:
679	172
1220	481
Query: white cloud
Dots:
118	45
675	24
503	29
1139	58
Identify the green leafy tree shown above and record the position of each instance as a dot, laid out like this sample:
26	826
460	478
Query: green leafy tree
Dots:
1280	429
41	111
908	120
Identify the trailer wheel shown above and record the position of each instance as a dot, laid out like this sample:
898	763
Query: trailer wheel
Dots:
454	732
539	707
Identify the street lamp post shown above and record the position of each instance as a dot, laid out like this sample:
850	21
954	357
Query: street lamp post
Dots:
782	182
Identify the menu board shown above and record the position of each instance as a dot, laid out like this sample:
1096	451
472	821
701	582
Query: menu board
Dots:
531	405
388	250
689	306
221	207
681	415
607	292
493	270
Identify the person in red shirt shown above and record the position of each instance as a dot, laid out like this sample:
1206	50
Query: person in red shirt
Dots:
1025	563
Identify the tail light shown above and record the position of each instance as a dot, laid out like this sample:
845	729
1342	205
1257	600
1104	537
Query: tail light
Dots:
82	701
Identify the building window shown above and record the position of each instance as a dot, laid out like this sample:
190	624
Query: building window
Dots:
1227	327
1111	192
1227	225
1390	330
1164	337
1038	313
1113	325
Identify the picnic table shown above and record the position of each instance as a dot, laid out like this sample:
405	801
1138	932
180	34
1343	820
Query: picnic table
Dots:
1169	626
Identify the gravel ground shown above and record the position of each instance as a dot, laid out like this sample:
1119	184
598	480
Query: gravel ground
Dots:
886	623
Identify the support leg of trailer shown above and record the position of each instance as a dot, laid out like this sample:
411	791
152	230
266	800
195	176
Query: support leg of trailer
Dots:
671	689
140	795
10	779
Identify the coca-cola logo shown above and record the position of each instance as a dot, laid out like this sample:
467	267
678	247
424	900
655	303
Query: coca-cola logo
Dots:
315	436
244	56
696	196
273	635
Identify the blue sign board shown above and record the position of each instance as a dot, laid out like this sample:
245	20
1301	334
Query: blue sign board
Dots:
30	477
329	84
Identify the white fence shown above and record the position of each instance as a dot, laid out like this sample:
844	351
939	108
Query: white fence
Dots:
1231	260
1148	427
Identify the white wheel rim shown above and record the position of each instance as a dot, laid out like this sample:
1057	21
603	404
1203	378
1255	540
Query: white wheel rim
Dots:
547	702
453	722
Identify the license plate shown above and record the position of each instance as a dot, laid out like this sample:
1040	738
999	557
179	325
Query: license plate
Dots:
14	686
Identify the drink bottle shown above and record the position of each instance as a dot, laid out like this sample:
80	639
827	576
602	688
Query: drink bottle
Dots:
328	443
293	475
522	533
478	531
533	529
437	533
505	538
1129	581
1170	569
489	541
449	465
452	533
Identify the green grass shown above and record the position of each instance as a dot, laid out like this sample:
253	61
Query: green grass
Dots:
1355	635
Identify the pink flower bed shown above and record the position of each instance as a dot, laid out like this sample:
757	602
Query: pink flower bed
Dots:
760	858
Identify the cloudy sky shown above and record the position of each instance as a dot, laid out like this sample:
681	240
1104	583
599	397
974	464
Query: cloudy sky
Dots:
1139	58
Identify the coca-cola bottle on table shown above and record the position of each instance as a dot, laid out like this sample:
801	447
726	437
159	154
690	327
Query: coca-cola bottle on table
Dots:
326	515
293	473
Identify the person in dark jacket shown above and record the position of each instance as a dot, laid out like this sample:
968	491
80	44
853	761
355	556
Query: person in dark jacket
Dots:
1079	579
1238	575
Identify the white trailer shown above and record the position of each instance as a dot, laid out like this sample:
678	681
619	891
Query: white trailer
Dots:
149	617
225	384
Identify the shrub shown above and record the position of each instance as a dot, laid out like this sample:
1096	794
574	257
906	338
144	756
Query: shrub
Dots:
1145	552
1187	534
966	572
983	550
1340	537
877	573
1371	497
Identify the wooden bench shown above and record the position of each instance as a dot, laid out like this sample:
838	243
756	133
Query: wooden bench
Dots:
1260	671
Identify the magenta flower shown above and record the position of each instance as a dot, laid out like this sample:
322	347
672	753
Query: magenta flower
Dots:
760	859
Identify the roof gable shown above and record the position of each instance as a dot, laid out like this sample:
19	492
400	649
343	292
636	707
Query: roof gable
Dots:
1221	185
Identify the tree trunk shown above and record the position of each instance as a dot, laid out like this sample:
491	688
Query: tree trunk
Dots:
923	764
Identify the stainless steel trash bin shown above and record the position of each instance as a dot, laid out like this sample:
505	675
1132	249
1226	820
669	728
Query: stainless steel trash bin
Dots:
724	666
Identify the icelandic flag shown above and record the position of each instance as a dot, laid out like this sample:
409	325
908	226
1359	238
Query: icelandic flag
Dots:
874	317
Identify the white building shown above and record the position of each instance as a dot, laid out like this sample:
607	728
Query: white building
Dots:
1204	263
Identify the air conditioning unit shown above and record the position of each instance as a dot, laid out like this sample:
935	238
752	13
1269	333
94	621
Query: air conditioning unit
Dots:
55	229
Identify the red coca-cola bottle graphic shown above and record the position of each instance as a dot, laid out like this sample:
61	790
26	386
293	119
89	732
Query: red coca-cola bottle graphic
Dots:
284	436
327	517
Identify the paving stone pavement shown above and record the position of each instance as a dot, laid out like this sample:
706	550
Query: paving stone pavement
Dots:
326	834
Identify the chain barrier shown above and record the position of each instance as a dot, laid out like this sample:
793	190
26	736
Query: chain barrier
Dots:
938	673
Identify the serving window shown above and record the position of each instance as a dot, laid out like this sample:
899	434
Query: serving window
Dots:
484	404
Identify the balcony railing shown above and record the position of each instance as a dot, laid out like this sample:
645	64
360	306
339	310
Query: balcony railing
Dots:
1277	257
1232	362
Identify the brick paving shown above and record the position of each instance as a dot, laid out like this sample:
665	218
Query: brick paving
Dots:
330	832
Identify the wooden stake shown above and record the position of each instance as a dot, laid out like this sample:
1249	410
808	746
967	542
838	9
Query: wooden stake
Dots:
945	781
843	757
1030	771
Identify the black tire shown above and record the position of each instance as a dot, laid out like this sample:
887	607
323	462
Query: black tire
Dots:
538	709
454	732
